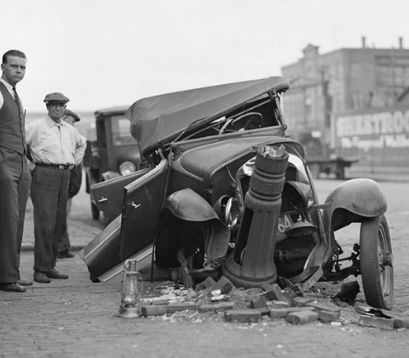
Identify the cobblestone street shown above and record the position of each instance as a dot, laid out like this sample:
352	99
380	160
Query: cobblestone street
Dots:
78	318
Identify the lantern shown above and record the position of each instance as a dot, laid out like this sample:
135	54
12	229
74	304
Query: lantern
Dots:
132	286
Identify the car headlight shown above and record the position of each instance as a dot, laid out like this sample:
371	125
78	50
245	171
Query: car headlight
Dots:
127	168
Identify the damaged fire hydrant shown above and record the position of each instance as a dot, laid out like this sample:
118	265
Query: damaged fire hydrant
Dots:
251	263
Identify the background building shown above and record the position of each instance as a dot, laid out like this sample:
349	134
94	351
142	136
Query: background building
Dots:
352	82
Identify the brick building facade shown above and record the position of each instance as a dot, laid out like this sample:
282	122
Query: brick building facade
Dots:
349	80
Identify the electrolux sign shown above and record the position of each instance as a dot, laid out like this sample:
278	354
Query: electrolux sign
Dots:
379	130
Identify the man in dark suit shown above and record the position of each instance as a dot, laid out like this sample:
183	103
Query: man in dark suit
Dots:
14	172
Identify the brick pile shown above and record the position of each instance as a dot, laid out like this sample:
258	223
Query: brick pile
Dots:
226	302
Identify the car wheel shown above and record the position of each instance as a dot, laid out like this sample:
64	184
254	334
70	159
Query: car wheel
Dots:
94	211
376	262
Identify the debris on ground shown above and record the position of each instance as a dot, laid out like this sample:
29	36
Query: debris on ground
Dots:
221	301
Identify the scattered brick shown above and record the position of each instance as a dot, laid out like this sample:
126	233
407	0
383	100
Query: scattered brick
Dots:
401	322
328	316
207	283
217	307
264	311
154	310
302	317
377	322
259	301
299	309
243	316
274	292
302	301
278	313
175	307
224	285
288	295
279	304
324	307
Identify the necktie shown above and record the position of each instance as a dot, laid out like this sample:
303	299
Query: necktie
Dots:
16	96
17	99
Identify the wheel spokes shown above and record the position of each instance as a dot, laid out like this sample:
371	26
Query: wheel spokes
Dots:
385	258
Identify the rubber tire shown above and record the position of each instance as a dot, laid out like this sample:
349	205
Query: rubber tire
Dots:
377	279
94	211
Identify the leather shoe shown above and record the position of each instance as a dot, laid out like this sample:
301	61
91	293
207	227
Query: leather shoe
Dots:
66	254
25	283
41	277
12	287
53	273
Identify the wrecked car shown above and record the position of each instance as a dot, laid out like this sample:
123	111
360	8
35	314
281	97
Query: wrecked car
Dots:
228	192
111	152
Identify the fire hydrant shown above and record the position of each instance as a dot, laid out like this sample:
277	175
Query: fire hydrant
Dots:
251	263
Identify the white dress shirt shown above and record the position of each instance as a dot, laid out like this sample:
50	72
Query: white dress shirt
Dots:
52	143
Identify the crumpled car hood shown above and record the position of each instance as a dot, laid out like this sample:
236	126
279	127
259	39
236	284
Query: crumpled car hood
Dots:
160	118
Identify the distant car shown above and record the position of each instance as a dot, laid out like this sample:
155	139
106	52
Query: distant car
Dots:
112	152
225	188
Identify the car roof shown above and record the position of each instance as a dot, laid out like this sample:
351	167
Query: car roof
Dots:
110	111
154	119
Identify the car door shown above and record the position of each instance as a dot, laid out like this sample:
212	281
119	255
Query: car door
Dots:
108	195
143	200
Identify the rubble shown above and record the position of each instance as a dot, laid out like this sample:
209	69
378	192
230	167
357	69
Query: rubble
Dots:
222	301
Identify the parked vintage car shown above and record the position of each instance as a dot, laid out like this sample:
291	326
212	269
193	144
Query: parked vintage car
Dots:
227	192
111	152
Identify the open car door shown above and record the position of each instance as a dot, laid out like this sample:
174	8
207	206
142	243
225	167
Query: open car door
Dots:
132	231
108	195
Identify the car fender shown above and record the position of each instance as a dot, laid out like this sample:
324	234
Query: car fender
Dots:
189	206
352	201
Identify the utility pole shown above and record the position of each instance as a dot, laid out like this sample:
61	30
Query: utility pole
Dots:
327	111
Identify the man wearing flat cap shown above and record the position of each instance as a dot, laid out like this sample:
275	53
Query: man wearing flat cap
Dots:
64	248
55	147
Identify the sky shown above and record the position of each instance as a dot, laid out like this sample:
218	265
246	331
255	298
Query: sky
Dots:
104	53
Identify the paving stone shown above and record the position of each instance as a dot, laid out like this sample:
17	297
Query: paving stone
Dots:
154	310
302	317
401	322
207	283
278	312
259	301
224	285
265	311
318	306
274	292
279	304
299	309
289	294
302	301
376	322
328	316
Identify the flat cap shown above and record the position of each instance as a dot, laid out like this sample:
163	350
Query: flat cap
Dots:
56	97
74	115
